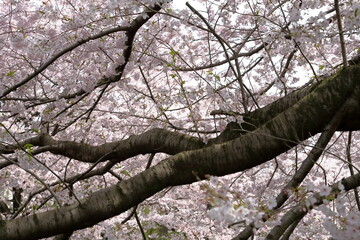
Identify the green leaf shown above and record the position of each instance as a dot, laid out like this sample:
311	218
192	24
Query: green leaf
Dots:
10	74
35	130
29	148
126	173
146	210
173	53
28	145
66	19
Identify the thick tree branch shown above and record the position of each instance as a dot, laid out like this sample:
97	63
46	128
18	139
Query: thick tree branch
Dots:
302	209
305	168
252	120
152	141
305	118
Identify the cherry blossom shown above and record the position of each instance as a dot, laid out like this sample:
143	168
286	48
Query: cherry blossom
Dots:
146	119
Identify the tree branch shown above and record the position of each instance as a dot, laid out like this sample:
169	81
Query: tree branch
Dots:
305	168
279	134
299	211
152	141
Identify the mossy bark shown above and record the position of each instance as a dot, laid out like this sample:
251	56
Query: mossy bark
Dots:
288	128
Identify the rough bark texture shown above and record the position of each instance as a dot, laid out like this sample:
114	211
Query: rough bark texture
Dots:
299	211
290	122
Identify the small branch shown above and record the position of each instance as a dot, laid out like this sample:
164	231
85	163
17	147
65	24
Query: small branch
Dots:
61	53
151	158
341	35
72	180
140	226
300	210
236	69
133	212
223	112
131	30
37	178
222	62
97	101
351	168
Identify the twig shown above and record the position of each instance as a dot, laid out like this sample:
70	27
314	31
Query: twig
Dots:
341	35
61	53
351	169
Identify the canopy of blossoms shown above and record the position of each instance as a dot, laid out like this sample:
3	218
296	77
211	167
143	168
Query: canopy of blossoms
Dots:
156	119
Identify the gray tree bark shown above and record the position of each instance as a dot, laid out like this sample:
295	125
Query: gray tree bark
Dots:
267	133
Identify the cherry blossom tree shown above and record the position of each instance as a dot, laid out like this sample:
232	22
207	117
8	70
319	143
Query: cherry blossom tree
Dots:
146	119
